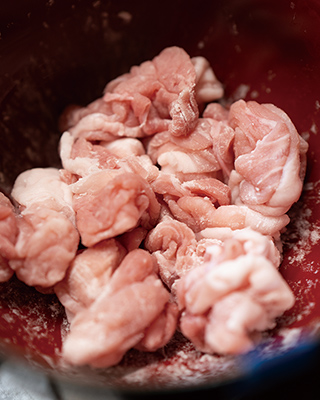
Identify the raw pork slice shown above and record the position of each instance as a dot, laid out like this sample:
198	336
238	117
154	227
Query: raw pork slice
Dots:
88	274
48	239
239	217
174	246
110	203
8	236
161	330
82	158
191	202
43	186
100	335
208	88
46	244
270	158
206	150
156	96
234	296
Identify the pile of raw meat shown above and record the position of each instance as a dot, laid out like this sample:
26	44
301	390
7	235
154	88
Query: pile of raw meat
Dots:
166	215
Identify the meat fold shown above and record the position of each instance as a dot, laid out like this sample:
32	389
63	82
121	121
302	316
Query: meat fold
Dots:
236	294
161	330
176	249
270	158
89	272
208	88
47	238
206	151
110	203
101	334
43	187
205	203
81	158
192	202
239	217
8	236
155	96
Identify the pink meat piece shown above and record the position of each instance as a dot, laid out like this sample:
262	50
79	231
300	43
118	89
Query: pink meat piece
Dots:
157	95
191	202
270	158
239	217
8	236
81	158
90	271
133	239
73	113
170	185
173	244
125	147
161	330
211	188
46	244
43	187
102	127
234	296
166	88
239	242
47	240
6	271
102	156
103	333
217	112
110	203
206	150
199	213
195	211
141	165
208	88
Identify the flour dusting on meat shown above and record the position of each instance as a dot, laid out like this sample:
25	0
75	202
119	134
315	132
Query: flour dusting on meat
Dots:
164	220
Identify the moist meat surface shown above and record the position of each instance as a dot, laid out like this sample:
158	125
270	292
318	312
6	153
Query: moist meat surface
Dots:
166	214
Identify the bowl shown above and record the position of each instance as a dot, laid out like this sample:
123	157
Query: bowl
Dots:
58	53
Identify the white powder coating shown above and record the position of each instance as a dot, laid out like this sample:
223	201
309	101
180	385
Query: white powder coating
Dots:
303	235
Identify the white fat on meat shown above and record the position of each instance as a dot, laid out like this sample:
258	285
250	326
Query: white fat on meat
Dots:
207	149
208	88
270	158
43	187
125	147
47	240
81	166
239	217
46	244
234	296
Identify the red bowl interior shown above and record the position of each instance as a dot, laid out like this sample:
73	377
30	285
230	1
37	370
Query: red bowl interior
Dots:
58	53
